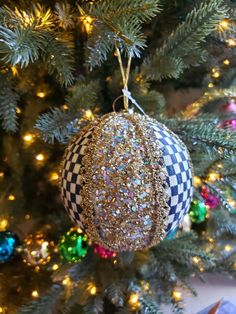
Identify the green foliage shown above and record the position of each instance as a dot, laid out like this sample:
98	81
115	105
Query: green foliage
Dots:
221	224
173	57
61	125
8	104
29	34
45	304
59	57
149	305
118	22
203	135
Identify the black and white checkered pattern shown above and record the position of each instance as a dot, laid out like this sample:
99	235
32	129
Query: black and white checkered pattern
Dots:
71	178
179	177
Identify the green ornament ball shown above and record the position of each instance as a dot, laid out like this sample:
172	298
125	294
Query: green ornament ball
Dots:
73	246
198	212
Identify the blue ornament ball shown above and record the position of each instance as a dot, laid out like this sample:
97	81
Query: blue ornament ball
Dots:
8	243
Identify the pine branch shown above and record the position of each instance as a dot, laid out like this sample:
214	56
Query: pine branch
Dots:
8	104
151	101
198	24
94	306
120	22
149	306
158	67
59	57
45	304
23	34
58	125
201	135
220	223
61	125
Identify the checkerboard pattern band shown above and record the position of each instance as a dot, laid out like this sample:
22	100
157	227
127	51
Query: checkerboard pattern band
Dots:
72	182
179	178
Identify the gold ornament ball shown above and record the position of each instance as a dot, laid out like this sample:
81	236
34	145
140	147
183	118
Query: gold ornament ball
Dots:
36	250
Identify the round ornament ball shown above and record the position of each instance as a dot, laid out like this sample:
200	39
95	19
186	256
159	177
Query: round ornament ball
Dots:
230	106
36	250
8	244
73	246
103	252
198	212
126	181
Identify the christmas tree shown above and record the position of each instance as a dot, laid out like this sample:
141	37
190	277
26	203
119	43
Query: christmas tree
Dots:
64	65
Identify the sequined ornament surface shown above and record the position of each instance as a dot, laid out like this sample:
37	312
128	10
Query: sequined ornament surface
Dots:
73	246
8	243
126	181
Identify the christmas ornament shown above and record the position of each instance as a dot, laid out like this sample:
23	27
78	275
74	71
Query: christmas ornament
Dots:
8	243
73	246
37	250
204	192
229	124
198	212
127	181
230	106
102	252
212	201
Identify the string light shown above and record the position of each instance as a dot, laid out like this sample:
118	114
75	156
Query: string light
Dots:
66	281
231	42
228	248
210	85
89	115
3	310
216	74
226	62
40	157
65	107
54	176
14	71
55	267
92	289
213	176
41	94
18	110
197	181
28	138
3	224
35	294
11	197
223	24
177	296
27	216
87	23
1	175
196	259
134	300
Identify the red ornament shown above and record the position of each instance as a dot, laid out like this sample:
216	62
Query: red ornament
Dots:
204	192
102	252
229	124
230	106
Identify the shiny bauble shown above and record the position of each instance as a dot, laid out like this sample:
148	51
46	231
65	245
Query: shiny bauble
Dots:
37	250
198	212
126	181
73	246
103	252
8	244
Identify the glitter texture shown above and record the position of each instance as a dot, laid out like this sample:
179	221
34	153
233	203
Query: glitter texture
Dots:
121	190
